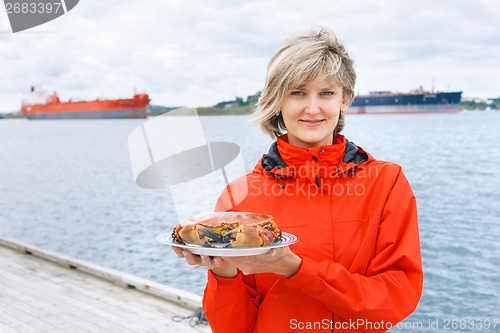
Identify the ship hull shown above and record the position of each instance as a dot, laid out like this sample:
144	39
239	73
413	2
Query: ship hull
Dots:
90	114
135	107
398	109
392	103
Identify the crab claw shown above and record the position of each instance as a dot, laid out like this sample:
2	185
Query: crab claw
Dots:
198	235
245	236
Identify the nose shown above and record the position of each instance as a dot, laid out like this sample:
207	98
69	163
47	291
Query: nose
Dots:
312	104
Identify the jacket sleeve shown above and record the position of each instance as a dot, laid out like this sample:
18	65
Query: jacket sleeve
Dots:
230	299
392	286
231	304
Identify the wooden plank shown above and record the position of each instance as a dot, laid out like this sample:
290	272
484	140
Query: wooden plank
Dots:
40	296
181	297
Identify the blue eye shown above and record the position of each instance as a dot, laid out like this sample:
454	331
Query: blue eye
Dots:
297	93
327	93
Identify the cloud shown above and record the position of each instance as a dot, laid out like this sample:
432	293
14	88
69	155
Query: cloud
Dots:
199	53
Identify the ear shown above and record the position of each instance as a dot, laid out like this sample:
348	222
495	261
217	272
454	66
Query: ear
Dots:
346	99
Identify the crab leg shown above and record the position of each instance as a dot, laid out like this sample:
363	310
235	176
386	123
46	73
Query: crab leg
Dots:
230	236
205	232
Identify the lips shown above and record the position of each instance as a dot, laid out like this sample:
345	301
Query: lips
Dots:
312	122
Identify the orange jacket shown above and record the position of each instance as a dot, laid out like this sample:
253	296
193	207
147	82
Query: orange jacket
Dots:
356	221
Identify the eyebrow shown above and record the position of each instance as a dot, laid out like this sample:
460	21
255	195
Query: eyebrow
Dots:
331	87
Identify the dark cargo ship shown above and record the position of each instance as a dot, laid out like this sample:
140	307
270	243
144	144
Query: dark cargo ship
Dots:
417	101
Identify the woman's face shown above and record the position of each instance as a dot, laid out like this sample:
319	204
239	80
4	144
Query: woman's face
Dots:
311	112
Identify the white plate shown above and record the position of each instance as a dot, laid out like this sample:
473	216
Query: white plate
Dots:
286	239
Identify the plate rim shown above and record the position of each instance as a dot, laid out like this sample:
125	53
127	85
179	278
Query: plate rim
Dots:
166	238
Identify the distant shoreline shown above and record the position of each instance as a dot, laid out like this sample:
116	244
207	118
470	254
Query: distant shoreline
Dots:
248	109
210	111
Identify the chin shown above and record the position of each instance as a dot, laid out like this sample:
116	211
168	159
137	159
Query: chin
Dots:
315	142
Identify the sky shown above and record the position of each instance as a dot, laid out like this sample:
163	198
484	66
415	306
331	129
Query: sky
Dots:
199	53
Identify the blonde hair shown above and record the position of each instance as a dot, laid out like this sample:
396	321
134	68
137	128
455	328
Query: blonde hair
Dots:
299	61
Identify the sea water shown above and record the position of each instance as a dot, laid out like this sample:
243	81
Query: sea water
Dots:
67	186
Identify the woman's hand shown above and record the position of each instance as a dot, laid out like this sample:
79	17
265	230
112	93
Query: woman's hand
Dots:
279	261
217	265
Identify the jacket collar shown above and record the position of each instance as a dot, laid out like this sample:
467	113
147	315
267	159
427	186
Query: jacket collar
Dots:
283	159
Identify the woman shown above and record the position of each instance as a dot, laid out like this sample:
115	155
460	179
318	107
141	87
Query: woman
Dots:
357	265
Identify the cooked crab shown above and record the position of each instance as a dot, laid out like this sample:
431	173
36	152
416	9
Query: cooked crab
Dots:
227	229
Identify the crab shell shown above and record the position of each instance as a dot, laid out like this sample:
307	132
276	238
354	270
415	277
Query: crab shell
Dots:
227	229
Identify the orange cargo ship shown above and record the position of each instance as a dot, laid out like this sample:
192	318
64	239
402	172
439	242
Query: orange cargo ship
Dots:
37	106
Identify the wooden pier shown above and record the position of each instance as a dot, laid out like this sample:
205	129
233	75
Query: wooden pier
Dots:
45	292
